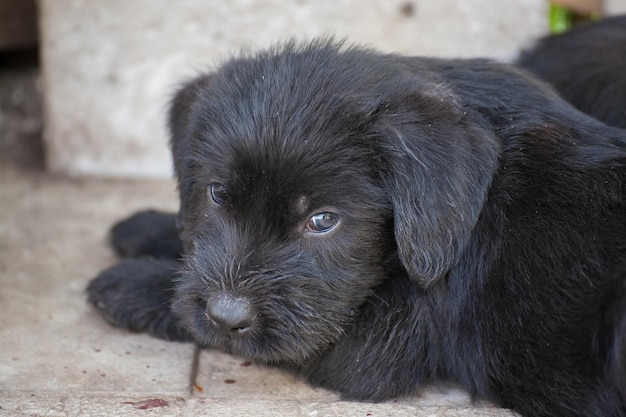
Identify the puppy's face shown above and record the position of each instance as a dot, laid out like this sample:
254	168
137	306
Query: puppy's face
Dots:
286	226
282	246
298	185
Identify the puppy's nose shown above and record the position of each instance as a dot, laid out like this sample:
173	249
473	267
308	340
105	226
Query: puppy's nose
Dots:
231	315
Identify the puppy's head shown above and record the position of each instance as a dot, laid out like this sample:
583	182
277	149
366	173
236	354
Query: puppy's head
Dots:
304	174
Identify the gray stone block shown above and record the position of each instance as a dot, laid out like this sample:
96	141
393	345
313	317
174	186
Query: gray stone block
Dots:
110	67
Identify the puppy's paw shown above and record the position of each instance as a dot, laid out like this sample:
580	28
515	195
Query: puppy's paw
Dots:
135	295
147	233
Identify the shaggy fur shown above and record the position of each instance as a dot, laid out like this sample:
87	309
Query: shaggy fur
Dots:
587	66
379	222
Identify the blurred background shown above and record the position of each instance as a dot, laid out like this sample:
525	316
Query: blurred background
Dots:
84	85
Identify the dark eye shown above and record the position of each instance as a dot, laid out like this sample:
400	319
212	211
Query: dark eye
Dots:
322	222
217	192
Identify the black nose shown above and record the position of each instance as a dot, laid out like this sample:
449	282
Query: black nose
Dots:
231	315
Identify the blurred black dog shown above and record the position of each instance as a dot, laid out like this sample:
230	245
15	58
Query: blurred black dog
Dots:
587	66
379	222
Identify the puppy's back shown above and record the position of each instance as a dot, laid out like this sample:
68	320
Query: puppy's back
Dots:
587	66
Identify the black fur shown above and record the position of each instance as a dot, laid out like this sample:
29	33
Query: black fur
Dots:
135	294
481	235
587	66
147	234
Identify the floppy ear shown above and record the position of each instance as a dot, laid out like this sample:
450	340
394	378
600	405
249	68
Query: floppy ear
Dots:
182	125
439	166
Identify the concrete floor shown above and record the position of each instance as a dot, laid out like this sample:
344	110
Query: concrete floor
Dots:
59	358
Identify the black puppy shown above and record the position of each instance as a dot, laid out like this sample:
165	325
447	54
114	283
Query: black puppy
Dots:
379	222
587	66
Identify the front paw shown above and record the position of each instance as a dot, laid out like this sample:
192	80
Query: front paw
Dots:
147	233
135	295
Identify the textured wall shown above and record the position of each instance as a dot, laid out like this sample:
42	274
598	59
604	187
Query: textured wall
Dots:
110	66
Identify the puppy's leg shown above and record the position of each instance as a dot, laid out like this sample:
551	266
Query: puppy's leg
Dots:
147	233
381	357
135	295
